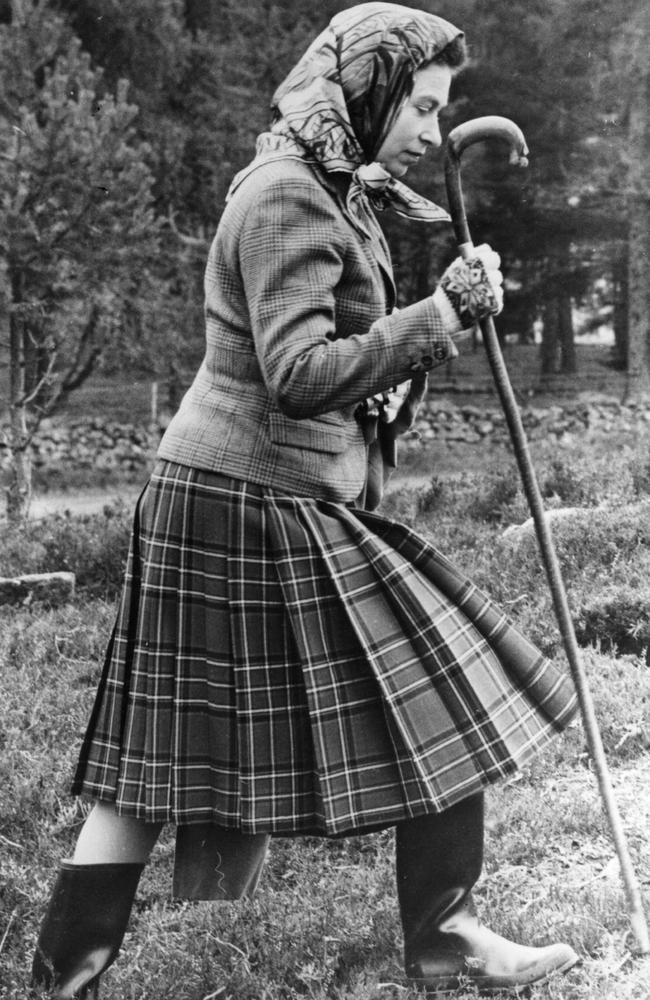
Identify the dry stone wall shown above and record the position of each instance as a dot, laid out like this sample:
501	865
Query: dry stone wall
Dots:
128	448
437	421
92	444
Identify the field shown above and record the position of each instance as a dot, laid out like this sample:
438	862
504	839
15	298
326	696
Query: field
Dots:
324	925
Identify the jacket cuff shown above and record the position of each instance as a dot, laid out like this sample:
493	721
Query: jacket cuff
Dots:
448	314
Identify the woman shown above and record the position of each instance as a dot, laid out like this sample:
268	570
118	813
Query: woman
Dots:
285	661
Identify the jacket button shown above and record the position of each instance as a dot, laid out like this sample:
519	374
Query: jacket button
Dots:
440	353
427	361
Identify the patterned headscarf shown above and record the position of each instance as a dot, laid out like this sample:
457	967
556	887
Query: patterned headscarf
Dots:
339	102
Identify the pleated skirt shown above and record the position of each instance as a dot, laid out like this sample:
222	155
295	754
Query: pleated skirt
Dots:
289	665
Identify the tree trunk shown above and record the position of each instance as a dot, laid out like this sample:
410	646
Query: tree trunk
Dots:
19	488
637	385
549	345
638	366
621	311
153	409
568	356
174	386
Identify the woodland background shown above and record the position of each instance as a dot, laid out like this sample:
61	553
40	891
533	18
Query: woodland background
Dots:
121	126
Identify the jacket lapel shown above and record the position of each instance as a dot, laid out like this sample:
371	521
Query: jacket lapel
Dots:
372	236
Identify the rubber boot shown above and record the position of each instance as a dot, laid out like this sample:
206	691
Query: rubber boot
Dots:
438	860
83	926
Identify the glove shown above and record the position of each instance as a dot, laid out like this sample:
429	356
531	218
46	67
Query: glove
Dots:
474	287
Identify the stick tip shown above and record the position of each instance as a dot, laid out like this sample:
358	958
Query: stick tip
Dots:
518	159
640	930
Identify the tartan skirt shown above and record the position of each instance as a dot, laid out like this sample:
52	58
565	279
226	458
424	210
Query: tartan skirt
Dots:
291	665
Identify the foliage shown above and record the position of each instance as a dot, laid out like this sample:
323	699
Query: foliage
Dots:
573	481
93	547
76	213
617	619
79	237
554	237
201	79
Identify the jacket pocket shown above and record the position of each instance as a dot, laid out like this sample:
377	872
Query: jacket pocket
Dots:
326	433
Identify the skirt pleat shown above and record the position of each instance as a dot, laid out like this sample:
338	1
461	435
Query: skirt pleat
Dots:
291	665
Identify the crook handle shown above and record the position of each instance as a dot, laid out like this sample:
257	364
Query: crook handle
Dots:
464	135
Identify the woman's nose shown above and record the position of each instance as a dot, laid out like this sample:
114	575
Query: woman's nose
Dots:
431	134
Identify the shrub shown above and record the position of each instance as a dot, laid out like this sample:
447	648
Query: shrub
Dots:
594	547
617	619
580	477
495	496
488	497
438	492
640	474
571	483
93	547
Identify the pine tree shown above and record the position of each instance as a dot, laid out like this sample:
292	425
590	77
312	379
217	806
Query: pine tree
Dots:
75	219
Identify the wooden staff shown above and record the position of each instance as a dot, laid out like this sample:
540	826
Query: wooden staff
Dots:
478	130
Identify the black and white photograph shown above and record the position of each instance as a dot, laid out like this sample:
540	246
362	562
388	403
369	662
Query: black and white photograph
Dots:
324	500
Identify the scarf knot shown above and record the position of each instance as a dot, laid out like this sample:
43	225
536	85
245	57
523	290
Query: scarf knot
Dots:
373	182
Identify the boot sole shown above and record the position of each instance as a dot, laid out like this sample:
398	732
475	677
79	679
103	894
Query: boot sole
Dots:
487	986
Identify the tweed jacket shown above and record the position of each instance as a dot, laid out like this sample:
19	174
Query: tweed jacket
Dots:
300	327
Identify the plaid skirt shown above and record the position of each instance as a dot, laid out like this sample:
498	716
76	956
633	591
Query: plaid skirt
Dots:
290	665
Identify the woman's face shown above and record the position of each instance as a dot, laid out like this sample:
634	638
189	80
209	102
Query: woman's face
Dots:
416	127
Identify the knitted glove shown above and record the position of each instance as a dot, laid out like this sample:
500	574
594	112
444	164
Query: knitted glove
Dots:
474	287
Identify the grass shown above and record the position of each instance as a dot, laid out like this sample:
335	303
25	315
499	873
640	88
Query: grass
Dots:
324	924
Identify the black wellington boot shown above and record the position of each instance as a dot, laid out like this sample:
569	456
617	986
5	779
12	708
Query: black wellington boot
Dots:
438	860
83	926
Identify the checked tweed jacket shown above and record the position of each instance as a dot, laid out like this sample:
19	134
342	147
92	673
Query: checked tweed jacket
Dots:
301	327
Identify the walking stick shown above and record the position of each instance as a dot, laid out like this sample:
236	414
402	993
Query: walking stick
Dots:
478	130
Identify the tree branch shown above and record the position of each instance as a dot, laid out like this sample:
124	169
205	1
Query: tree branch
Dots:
81	366
30	396
200	242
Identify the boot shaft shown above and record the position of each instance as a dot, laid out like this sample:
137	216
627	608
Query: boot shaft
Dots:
438	859
84	925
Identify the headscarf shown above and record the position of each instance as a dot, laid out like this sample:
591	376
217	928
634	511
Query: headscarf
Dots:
340	100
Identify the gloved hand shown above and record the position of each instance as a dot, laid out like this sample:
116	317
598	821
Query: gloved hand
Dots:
474	287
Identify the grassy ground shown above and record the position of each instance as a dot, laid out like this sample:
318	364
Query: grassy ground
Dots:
324	924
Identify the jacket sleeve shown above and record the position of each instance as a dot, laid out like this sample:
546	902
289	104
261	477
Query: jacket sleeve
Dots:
291	258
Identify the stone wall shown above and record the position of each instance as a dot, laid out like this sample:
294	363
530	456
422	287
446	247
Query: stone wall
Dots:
91	444
128	448
439	422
